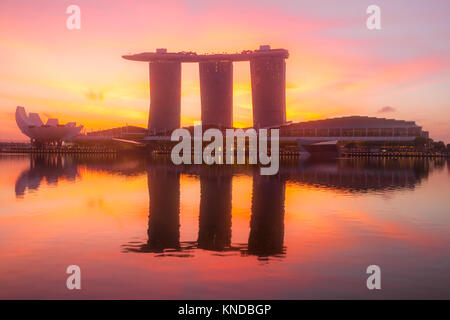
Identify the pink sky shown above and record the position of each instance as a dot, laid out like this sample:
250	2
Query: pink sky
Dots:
336	67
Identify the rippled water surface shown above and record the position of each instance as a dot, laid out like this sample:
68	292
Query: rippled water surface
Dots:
142	228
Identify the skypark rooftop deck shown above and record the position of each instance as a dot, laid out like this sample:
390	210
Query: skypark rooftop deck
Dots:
162	54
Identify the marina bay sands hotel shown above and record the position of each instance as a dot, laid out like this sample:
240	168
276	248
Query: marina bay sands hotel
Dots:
268	83
268	80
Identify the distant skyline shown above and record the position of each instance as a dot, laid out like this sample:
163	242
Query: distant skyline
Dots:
337	67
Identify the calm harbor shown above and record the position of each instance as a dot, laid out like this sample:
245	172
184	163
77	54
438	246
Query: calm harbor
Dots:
142	227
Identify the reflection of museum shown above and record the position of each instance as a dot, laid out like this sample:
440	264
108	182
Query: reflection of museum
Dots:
48	168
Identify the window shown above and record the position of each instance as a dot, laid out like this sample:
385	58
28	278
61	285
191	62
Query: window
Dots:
347	132
335	132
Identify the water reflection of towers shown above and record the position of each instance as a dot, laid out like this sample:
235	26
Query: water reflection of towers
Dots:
267	213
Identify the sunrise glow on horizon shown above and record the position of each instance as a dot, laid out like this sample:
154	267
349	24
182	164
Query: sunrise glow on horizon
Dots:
337	67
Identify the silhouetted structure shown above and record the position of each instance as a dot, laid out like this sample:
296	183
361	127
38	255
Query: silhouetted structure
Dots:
267	221
164	212
119	132
215	209
268	81
268	71
360	175
354	128
164	209
268	77
216	88
52	168
39	133
165	96
266	237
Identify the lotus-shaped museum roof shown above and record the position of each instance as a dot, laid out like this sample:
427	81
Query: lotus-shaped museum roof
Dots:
32	126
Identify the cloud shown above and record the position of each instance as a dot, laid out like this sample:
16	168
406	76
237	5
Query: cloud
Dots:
91	95
386	109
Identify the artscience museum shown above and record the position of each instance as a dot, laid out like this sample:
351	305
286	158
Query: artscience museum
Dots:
50	133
